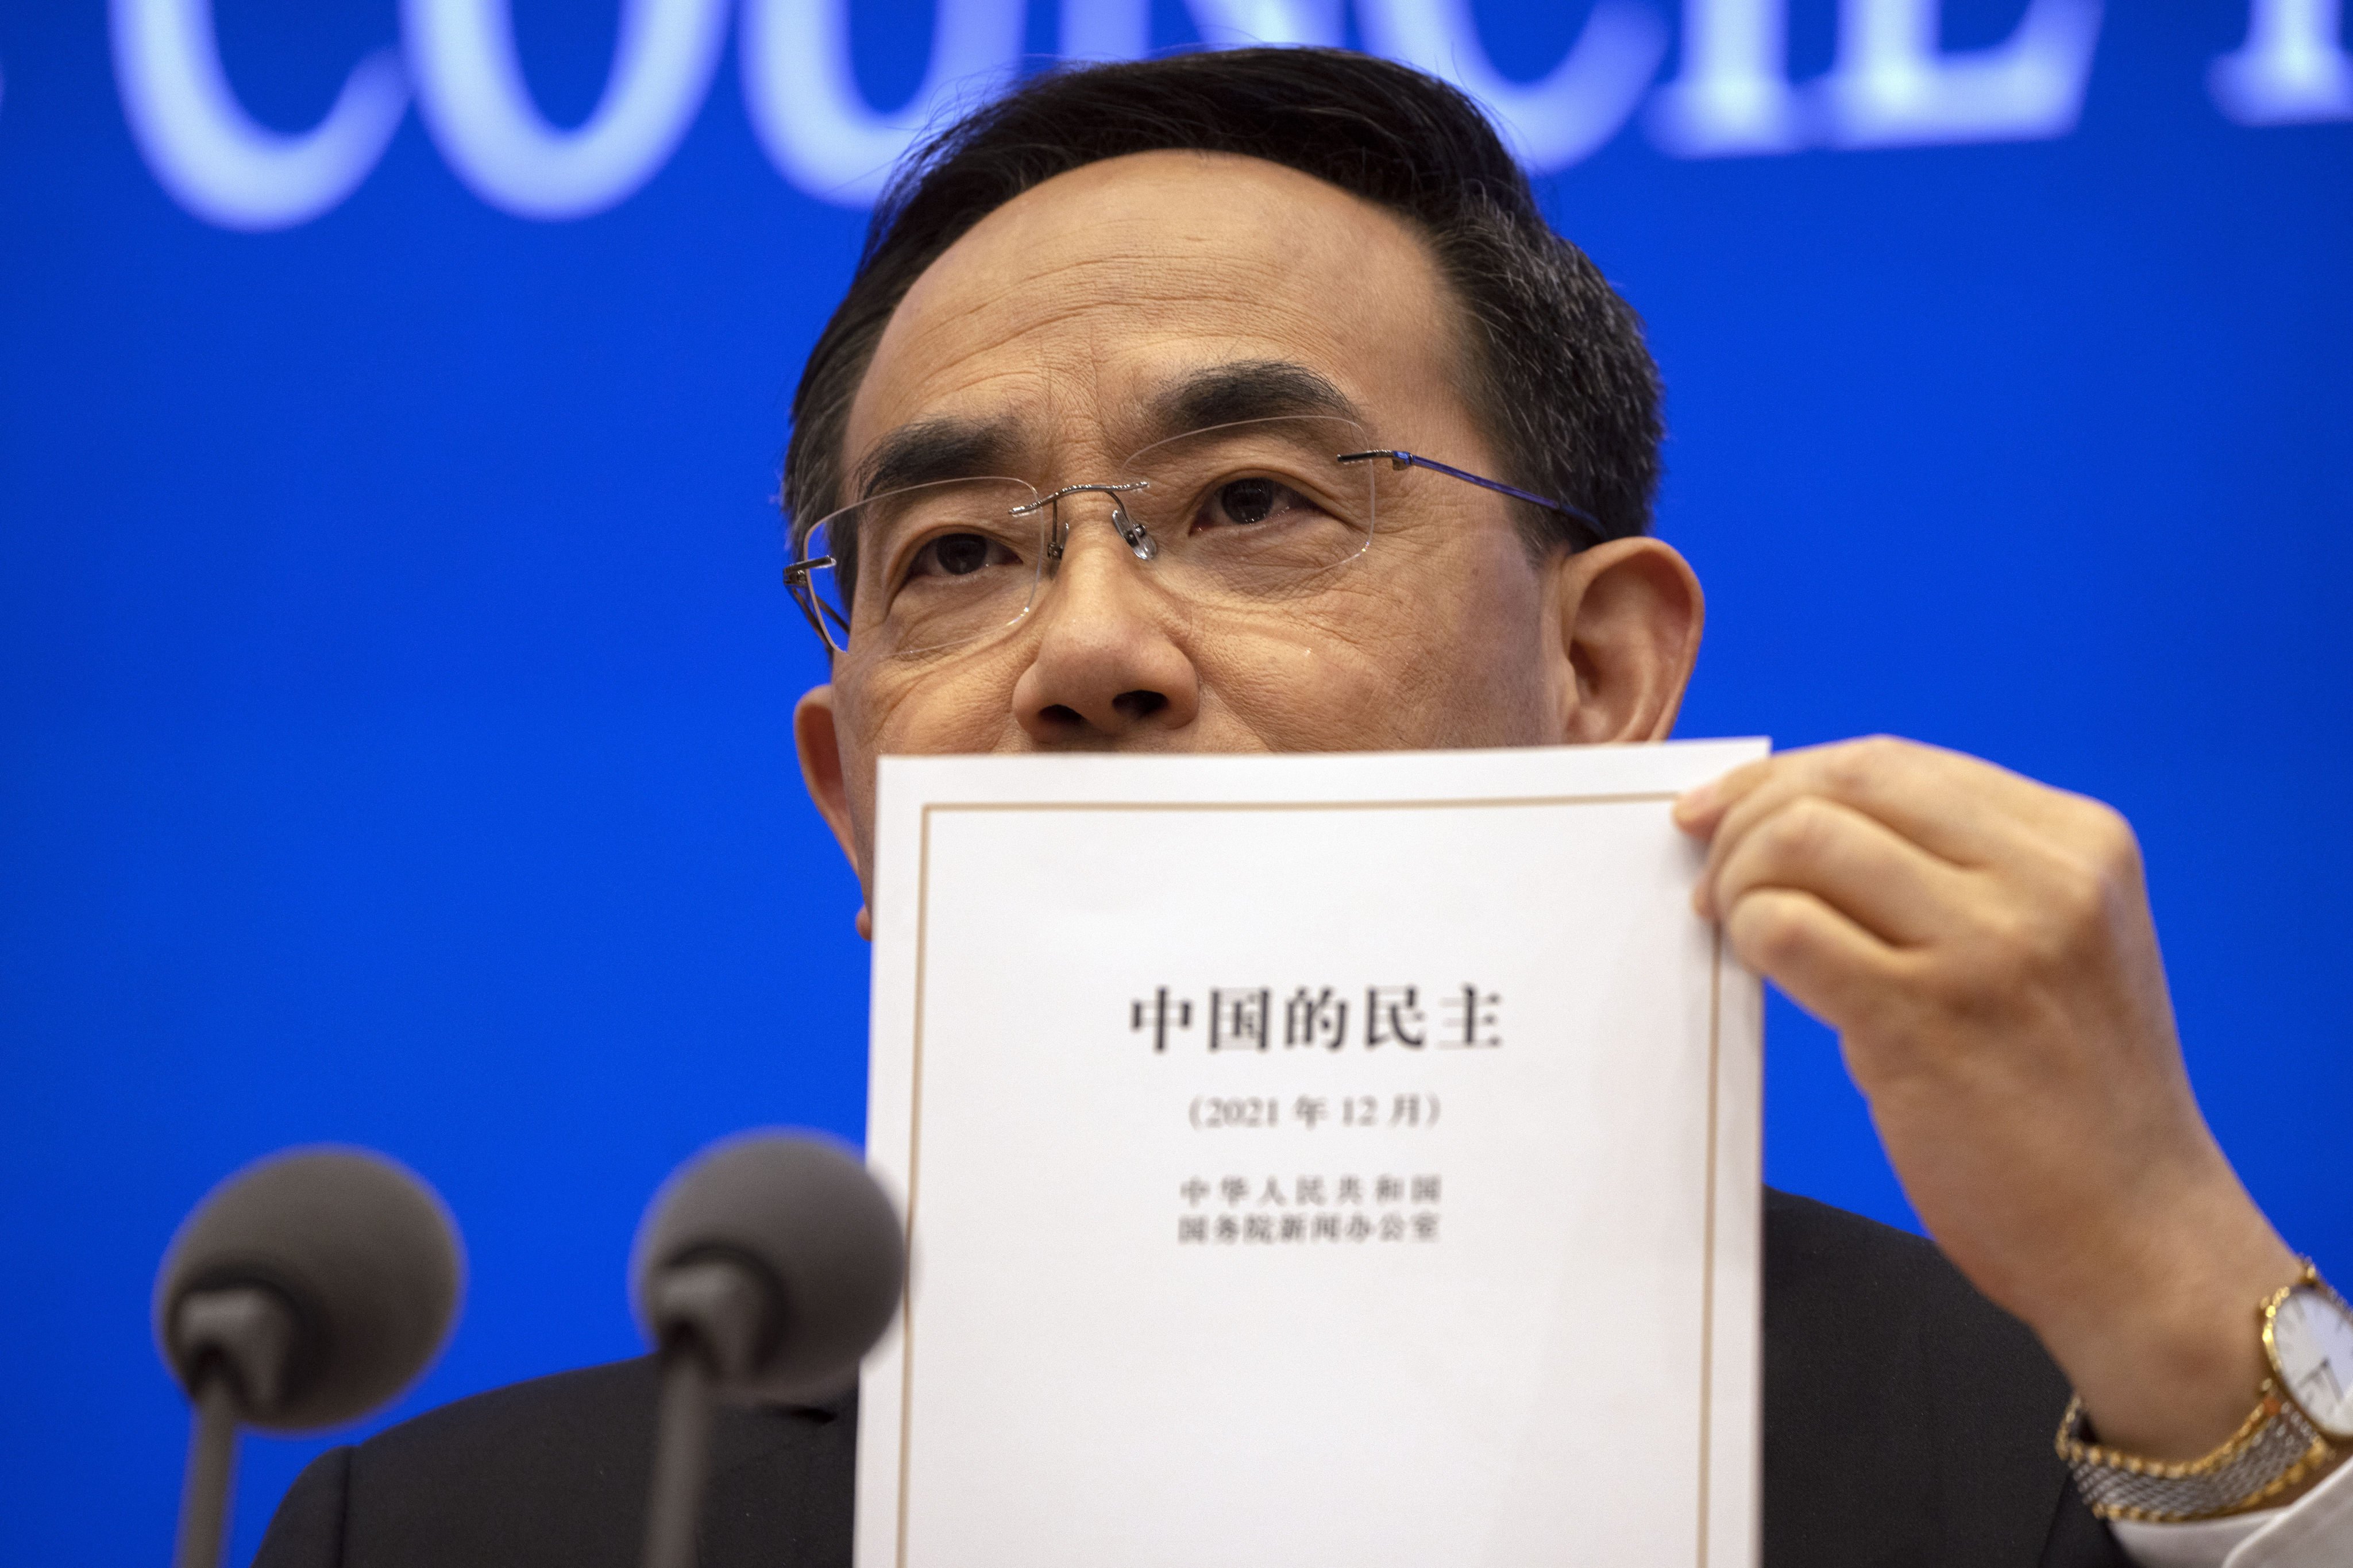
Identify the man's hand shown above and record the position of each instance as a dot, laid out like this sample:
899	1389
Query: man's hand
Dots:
1984	947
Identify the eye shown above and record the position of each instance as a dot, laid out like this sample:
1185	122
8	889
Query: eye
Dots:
958	555
1250	502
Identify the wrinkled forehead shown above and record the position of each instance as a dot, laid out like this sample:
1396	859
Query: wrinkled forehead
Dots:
1081	321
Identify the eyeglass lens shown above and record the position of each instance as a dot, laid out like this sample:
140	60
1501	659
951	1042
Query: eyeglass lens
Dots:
1241	514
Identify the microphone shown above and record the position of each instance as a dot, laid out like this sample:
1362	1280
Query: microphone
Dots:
764	1270
304	1291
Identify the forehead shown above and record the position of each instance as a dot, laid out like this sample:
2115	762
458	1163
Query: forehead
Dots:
1066	310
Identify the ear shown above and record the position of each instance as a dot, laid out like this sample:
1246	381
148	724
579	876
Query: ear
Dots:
1628	614
820	744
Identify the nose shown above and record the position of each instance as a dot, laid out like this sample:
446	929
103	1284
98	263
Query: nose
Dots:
1107	664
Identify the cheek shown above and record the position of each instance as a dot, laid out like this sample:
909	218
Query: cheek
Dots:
1491	615
908	711
1302	689
1461	650
1348	678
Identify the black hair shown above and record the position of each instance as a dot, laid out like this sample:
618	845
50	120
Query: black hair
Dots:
1558	371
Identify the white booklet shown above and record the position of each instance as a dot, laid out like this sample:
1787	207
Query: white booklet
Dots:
1344	1160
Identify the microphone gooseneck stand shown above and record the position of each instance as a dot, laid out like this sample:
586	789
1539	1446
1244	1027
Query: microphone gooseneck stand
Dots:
212	1466
237	1343
682	1456
716	1315
765	1266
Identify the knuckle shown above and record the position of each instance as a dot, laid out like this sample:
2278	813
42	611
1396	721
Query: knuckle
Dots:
1859	764
2055	945
2081	895
1801	831
1767	930
2045	937
2061	919
1849	768
2099	879
2115	847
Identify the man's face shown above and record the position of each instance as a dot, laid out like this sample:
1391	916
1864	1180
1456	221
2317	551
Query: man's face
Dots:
1070	324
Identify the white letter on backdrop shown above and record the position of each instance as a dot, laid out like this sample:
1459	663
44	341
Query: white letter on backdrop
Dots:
209	153
809	112
2292	69
1555	121
472	96
1894	87
1106	29
1732	93
1121	29
1229	23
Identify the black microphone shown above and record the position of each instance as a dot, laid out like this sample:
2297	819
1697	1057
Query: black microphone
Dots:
305	1291
764	1269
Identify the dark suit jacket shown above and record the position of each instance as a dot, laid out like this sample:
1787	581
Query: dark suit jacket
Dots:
1908	1424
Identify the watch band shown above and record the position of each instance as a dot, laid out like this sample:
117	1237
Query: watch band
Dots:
2274	1451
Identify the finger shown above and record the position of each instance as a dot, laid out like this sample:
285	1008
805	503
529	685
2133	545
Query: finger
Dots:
1957	808
1829	966
1698	809
1856	864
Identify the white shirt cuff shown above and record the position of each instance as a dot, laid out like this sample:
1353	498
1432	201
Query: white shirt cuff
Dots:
2313	1531
2207	1543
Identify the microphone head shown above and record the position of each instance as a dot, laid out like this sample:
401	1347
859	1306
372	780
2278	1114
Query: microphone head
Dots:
803	1215
357	1248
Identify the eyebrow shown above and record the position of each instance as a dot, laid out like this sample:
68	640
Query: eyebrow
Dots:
1244	389
930	450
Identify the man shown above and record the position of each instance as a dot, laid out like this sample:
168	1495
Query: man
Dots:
1115	260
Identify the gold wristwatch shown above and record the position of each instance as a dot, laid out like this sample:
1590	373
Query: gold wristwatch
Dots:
2302	1426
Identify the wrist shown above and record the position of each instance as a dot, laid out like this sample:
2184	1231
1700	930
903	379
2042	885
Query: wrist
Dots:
2169	1363
2299	1432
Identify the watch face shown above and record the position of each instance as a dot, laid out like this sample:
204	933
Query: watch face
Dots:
2312	1346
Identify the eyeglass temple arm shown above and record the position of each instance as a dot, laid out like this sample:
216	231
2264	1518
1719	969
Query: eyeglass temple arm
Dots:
1404	459
796	578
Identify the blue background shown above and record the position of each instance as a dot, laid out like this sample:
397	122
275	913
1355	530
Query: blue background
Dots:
395	683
